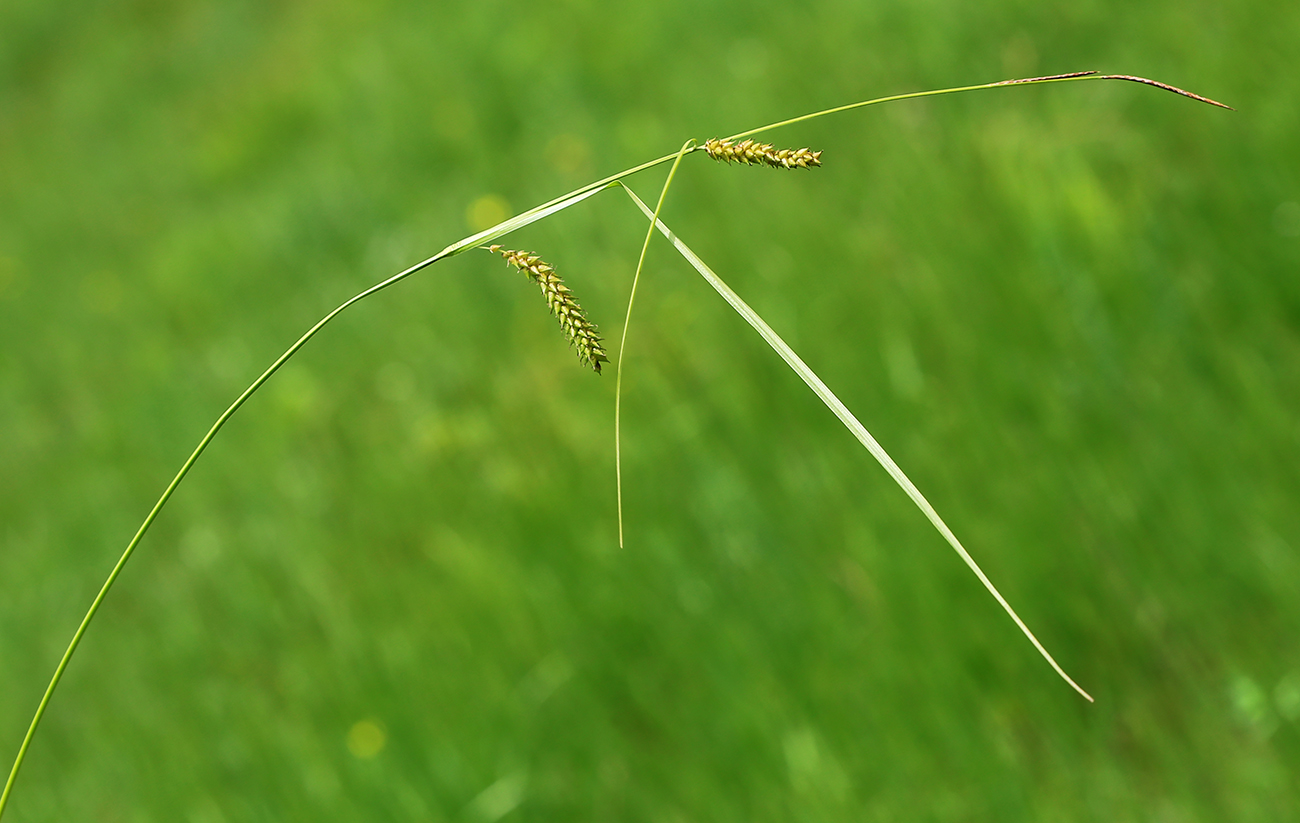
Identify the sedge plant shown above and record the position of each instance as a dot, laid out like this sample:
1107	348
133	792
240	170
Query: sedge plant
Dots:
583	335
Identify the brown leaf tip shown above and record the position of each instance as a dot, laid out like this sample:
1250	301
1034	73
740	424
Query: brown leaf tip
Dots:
1149	82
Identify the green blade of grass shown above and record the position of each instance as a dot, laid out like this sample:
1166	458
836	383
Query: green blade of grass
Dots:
622	346
850	422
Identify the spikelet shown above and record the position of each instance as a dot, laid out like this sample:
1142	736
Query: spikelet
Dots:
580	331
753	153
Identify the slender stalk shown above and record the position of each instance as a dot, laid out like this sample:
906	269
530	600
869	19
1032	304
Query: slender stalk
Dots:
166	495
688	146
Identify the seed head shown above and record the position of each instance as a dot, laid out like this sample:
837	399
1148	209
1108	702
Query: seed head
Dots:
573	320
753	153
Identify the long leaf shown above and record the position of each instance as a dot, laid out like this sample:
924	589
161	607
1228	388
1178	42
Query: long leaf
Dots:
850	422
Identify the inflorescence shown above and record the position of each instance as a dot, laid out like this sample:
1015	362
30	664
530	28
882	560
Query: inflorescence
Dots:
580	331
753	153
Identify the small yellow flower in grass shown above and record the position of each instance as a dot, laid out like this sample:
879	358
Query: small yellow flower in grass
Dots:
753	153
573	320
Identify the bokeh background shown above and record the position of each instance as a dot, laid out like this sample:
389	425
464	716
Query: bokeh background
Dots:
392	589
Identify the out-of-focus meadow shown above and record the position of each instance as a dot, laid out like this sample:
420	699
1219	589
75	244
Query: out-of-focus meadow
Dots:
392	588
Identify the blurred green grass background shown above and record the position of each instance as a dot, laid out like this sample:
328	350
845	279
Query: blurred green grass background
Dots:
392	588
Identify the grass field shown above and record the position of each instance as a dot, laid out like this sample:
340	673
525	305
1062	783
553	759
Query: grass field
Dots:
392	589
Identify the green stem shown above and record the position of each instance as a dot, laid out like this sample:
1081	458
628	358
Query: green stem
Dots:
687	147
166	495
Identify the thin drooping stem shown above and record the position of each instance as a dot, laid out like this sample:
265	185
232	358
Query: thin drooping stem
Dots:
1029	81
688	146
850	422
452	250
171	488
